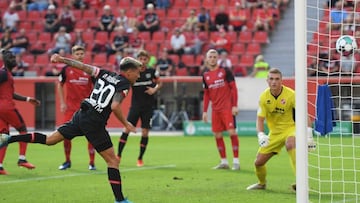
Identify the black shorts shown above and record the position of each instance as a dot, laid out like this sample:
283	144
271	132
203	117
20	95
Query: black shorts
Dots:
144	114
92	125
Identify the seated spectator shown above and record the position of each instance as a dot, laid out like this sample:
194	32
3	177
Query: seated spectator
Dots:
348	65
152	61
337	15
263	18
136	43
261	68
312	68
221	43
55	68
328	66
198	39
204	20
177	42
122	20
20	44
119	55
119	43
10	19
151	20
238	17
146	2
51	20
21	66
19	5
6	40
164	65
39	5
79	40
162	4
221	20
80	4
67	19
62	40
191	22
107	20
224	61
135	21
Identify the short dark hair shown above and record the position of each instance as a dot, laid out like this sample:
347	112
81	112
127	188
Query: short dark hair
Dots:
8	58
143	53
129	63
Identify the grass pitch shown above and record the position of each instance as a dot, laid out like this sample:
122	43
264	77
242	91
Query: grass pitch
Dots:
177	170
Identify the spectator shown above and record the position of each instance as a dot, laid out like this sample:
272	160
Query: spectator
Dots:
39	5
79	40
224	61
337	15
55	68
221	43
18	5
152	60
67	19
162	4
348	65
191	22
177	42
204	20
62	41
261	68
120	41
263	19
80	4
117	59
328	66
122	20
312	68
6	40
151	20
222	20
238	17
10	19
136	43
146	2
20	44
21	66
134	22
107	20
164	65
198	39
51	20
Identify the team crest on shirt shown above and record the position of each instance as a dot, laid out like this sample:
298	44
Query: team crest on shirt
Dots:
283	101
220	74
148	75
268	101
71	72
207	78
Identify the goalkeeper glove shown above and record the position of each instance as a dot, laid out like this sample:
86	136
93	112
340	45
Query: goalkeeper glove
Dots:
310	140
263	139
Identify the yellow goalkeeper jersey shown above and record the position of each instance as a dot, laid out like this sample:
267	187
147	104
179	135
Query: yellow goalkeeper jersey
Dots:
278	112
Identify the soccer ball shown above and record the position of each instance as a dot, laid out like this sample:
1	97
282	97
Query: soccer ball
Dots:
346	45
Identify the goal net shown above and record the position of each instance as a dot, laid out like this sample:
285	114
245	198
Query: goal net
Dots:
334	168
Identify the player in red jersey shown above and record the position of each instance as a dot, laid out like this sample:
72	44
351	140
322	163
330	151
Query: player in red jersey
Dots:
78	85
220	88
9	115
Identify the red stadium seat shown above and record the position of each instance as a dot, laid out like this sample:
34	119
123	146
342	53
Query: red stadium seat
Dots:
77	14
112	3
245	37
175	59
194	4
124	4
152	47
173	14
33	36
158	37
138	3
261	37
238	48
101	37
145	36
179	4
253	48
161	13
234	58
223	2
246	60
44	37
22	15
81	25
26	25
209	4
88	36
100	60
42	60
90	15
34	16
239	71
189	60
29	58
181	72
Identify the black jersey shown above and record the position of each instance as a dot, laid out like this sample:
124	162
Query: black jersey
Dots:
147	79
106	85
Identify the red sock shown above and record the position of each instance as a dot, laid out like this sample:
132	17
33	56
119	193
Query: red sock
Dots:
221	147
22	148
91	153
235	145
2	154
67	149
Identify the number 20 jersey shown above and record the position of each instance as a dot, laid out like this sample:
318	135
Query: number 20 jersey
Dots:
106	85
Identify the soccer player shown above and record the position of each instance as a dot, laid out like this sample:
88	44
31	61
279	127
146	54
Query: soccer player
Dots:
9	115
220	88
277	107
142	104
90	120
78	86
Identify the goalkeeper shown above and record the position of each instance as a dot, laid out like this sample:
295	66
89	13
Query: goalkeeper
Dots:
277	107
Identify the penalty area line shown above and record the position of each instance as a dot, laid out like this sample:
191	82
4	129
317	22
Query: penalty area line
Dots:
85	174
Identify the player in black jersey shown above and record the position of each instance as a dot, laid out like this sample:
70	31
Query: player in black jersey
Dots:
90	120
142	104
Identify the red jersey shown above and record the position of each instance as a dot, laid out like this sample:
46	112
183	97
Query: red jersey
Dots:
78	86
6	90
219	88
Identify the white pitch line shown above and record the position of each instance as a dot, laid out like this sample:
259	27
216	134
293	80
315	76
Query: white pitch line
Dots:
85	174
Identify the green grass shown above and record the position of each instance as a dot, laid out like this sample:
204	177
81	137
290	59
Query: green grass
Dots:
177	170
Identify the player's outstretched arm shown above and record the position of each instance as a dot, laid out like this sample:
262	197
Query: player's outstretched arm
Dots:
89	69
27	99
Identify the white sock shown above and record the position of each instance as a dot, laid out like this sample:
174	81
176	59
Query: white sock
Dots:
1	165
224	161
22	157
236	161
